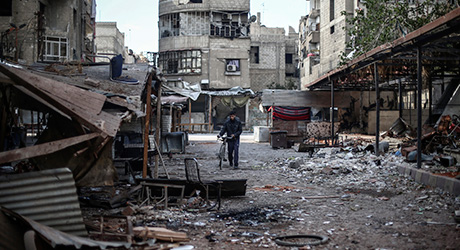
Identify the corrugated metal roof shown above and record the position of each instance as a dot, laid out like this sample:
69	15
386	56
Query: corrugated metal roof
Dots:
48	197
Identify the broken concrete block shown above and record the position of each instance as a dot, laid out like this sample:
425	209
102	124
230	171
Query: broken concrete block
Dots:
92	82
447	161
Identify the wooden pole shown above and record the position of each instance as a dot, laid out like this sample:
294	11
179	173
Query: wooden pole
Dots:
419	107
158	132
210	114
377	109
190	114
148	110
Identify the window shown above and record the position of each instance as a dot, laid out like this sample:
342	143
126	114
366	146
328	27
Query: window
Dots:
180	62
56	49
196	1
6	8
332	29
331	10
288	58
254	54
229	25
232	66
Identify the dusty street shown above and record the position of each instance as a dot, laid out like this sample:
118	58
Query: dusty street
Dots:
357	200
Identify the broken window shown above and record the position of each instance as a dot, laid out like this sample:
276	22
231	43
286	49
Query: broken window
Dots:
169	25
254	54
331	10
180	62
6	8
232	66
288	58
230	25
56	49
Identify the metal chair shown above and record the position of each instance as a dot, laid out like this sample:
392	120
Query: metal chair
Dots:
192	173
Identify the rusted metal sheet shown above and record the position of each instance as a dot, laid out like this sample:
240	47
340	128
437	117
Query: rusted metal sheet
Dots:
432	30
83	106
43	149
48	197
62	240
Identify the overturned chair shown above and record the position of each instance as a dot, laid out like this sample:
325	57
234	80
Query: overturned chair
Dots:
192	173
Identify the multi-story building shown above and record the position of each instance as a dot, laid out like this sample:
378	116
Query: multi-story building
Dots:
273	57
109	40
323	37
47	30
205	42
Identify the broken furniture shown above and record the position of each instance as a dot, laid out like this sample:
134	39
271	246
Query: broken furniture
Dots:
149	196
192	173
113	228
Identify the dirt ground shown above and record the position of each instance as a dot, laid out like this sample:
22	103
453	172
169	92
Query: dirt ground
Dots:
356	199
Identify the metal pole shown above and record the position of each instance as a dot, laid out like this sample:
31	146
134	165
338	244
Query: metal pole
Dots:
210	114
419	107
158	131
377	109
332	113
147	125
401	104
430	98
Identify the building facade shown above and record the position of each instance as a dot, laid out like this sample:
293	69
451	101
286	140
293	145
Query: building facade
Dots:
323	37
273	57
109	40
47	30
205	41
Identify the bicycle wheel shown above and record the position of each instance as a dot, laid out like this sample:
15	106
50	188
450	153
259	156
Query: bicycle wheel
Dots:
221	155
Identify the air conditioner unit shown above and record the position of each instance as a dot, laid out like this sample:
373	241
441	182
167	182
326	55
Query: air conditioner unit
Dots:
227	17
231	68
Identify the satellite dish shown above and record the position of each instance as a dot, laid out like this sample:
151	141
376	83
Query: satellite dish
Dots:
252	19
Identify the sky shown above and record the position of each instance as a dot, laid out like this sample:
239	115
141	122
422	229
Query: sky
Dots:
138	19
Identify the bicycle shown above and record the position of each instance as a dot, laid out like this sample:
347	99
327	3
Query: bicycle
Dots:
222	150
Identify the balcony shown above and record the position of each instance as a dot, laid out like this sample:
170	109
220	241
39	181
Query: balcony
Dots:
313	37
314	13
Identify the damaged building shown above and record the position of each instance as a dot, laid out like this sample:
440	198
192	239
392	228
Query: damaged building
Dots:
217	46
205	43
47	30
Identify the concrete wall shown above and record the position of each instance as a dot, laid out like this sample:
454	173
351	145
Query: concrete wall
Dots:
109	39
222	49
332	38
170	6
62	18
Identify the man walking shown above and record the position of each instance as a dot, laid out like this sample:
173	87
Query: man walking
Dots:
233	128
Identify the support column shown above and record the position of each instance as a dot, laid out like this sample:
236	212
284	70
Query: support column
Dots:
332	113
419	107
400	101
158	132
377	109
148	110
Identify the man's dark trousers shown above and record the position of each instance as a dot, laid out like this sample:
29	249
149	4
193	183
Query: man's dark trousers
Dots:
233	147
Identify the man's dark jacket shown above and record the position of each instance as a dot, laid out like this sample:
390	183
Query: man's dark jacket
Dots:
232	127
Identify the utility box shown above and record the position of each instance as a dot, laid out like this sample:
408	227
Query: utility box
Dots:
261	134
278	139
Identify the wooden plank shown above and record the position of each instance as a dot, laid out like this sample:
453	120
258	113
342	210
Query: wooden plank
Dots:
44	148
87	114
89	101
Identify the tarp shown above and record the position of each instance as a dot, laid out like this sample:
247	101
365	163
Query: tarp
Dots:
291	113
189	90
235	91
